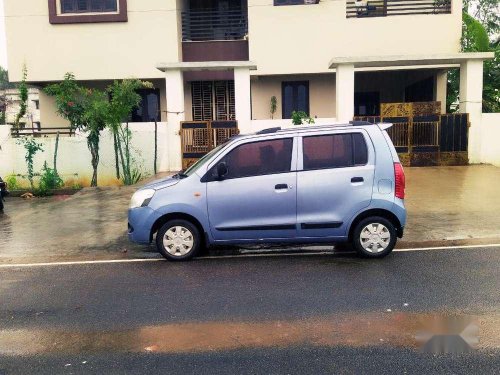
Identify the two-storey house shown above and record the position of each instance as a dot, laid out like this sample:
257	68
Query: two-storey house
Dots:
227	59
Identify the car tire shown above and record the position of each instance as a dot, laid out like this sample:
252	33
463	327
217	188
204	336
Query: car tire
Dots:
1	204
178	240
374	237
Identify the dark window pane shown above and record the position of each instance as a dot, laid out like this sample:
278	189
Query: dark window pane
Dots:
288	2
110	6
360	149
328	151
149	107
260	158
96	5
82	5
88	6
68	6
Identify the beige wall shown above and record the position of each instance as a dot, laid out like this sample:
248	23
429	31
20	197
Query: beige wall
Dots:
295	39
321	94
303	38
91	51
48	115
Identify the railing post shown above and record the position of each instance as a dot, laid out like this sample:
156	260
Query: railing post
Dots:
410	135
385	8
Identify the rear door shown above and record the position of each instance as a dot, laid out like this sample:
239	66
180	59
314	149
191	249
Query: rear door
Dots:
257	199
334	182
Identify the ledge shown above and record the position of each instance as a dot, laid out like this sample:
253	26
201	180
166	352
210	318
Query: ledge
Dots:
408	60
206	65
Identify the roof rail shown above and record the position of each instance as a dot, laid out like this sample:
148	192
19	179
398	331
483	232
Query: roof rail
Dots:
359	123
269	130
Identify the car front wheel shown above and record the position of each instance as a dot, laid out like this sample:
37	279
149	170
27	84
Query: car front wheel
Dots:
374	237
178	240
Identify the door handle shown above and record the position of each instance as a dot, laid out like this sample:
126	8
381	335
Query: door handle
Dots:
357	179
281	186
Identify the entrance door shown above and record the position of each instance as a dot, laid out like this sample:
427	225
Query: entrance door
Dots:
257	197
213	100
335	183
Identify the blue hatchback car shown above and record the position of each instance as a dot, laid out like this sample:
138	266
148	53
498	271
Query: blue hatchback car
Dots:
324	184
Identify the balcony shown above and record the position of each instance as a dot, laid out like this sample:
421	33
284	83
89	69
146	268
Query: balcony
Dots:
205	25
383	8
214	35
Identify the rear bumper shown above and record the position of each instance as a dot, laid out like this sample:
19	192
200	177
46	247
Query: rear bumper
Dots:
399	210
140	224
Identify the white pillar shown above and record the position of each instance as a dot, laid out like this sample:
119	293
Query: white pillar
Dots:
440	89
242	99
471	97
344	85
174	82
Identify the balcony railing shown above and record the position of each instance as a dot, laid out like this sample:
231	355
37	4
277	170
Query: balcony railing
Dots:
204	25
383	8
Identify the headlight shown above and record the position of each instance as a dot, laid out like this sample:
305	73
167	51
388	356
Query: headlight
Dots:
141	198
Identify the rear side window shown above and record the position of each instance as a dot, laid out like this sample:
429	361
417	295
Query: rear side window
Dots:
334	151
259	158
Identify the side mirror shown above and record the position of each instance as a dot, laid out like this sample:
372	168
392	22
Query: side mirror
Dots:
221	170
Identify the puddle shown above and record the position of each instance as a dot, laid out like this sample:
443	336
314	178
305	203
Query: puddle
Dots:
393	329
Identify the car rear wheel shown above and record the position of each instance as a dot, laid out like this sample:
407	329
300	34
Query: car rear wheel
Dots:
178	240
374	237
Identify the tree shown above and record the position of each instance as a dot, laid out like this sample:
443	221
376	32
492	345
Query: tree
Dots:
4	80
92	110
23	96
85	109
485	11
124	99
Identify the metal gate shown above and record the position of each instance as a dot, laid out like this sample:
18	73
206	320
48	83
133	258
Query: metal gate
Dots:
425	139
200	137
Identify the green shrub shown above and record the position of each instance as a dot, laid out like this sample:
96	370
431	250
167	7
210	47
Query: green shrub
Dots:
12	183
49	180
300	117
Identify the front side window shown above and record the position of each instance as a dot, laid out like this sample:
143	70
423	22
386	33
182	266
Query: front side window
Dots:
295	97
259	158
334	151
88	6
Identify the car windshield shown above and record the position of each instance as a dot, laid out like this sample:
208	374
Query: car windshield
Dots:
193	168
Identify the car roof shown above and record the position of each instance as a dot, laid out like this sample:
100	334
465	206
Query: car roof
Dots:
305	129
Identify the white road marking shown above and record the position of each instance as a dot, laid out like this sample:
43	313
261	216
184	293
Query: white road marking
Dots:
254	255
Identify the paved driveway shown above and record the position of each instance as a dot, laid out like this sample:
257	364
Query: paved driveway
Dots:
452	204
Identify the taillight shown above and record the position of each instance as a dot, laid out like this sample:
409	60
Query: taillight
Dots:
399	177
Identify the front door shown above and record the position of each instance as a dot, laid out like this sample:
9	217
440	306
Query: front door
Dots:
335	182
257	198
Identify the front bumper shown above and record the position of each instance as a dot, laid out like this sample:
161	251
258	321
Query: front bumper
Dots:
140	224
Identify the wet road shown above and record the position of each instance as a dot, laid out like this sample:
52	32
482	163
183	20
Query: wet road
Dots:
281	314
445	204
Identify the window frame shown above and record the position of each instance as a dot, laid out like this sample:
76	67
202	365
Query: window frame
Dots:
210	177
295	84
301	167
56	16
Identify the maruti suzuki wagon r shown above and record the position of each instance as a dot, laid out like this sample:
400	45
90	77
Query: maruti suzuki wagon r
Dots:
324	184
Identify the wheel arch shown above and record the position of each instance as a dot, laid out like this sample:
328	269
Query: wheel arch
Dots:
376	212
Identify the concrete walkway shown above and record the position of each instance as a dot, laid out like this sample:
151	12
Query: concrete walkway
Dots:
446	205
